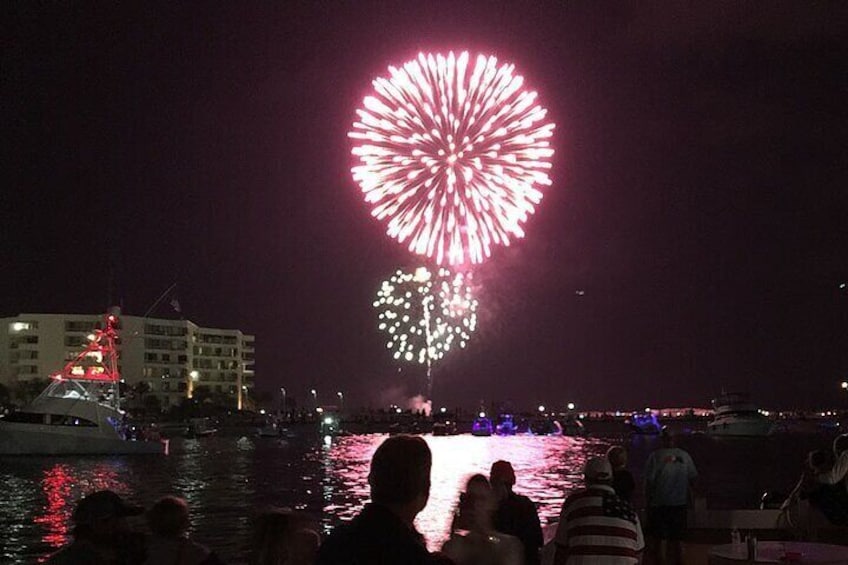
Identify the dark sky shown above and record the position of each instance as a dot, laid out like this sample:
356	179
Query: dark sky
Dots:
699	194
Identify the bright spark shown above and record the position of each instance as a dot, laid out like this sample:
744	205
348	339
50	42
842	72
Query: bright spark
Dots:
441	311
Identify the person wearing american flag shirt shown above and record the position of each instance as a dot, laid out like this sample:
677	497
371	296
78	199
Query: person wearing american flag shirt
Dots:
596	526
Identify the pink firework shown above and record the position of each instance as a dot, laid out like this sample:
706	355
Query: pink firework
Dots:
452	155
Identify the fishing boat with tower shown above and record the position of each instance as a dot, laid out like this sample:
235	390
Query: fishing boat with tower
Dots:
80	413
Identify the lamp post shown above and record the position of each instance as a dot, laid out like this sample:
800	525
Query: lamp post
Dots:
341	401
193	377
314	394
282	402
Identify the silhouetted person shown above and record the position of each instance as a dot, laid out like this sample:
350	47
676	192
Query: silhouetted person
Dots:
383	533
622	479
474	540
516	515
831	496
101	533
670	474
595	525
169	543
281	537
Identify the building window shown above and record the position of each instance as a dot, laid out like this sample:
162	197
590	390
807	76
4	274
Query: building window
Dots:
16	327
80	326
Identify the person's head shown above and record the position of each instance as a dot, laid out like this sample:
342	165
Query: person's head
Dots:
666	437
840	444
617	456
168	517
598	471
818	460
477	503
502	477
400	474
101	515
281	537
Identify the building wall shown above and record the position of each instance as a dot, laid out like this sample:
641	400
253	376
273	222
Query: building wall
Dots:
174	357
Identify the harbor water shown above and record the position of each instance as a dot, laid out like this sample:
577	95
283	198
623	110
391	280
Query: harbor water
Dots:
227	480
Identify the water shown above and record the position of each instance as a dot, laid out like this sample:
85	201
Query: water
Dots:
226	480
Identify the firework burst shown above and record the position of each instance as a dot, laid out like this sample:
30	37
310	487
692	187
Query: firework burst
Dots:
452	154
426	314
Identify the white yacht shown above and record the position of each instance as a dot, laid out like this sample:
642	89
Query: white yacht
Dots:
79	412
735	415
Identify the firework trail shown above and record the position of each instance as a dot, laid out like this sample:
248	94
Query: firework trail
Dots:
426	314
452	154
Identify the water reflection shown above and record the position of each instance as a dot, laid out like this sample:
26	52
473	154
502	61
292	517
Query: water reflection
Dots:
226	480
61	486
546	468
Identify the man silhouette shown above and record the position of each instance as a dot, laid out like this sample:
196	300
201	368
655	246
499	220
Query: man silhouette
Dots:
384	532
516	515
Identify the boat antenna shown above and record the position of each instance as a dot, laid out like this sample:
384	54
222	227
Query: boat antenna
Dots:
160	299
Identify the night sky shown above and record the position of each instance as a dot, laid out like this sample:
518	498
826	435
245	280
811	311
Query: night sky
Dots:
698	201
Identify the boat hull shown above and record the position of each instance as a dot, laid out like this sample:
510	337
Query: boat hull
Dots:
742	428
34	439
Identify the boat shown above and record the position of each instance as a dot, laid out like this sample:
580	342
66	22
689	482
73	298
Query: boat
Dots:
644	423
79	413
200	427
735	415
572	427
446	428
547	427
270	429
482	426
506	425
330	424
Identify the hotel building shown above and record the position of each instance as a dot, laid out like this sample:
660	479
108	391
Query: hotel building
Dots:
174	357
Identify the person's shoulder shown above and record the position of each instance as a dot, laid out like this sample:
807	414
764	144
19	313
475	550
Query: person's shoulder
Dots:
521	500
77	553
337	540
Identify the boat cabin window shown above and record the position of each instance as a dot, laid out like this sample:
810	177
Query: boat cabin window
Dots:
51	419
24	417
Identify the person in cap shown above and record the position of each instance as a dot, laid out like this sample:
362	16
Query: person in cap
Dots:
384	531
515	515
101	533
833	483
168	522
670	476
596	525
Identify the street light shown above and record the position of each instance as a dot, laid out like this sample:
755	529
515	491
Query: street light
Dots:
844	385
314	394
571	406
341	400
194	376
282	401
541	408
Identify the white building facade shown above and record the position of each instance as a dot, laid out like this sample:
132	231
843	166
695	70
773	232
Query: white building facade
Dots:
175	358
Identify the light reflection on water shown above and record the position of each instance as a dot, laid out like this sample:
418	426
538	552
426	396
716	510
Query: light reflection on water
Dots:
226	480
545	467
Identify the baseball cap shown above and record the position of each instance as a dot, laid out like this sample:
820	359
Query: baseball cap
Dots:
103	504
502	472
598	468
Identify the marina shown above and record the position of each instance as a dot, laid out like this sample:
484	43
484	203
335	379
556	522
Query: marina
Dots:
227	479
